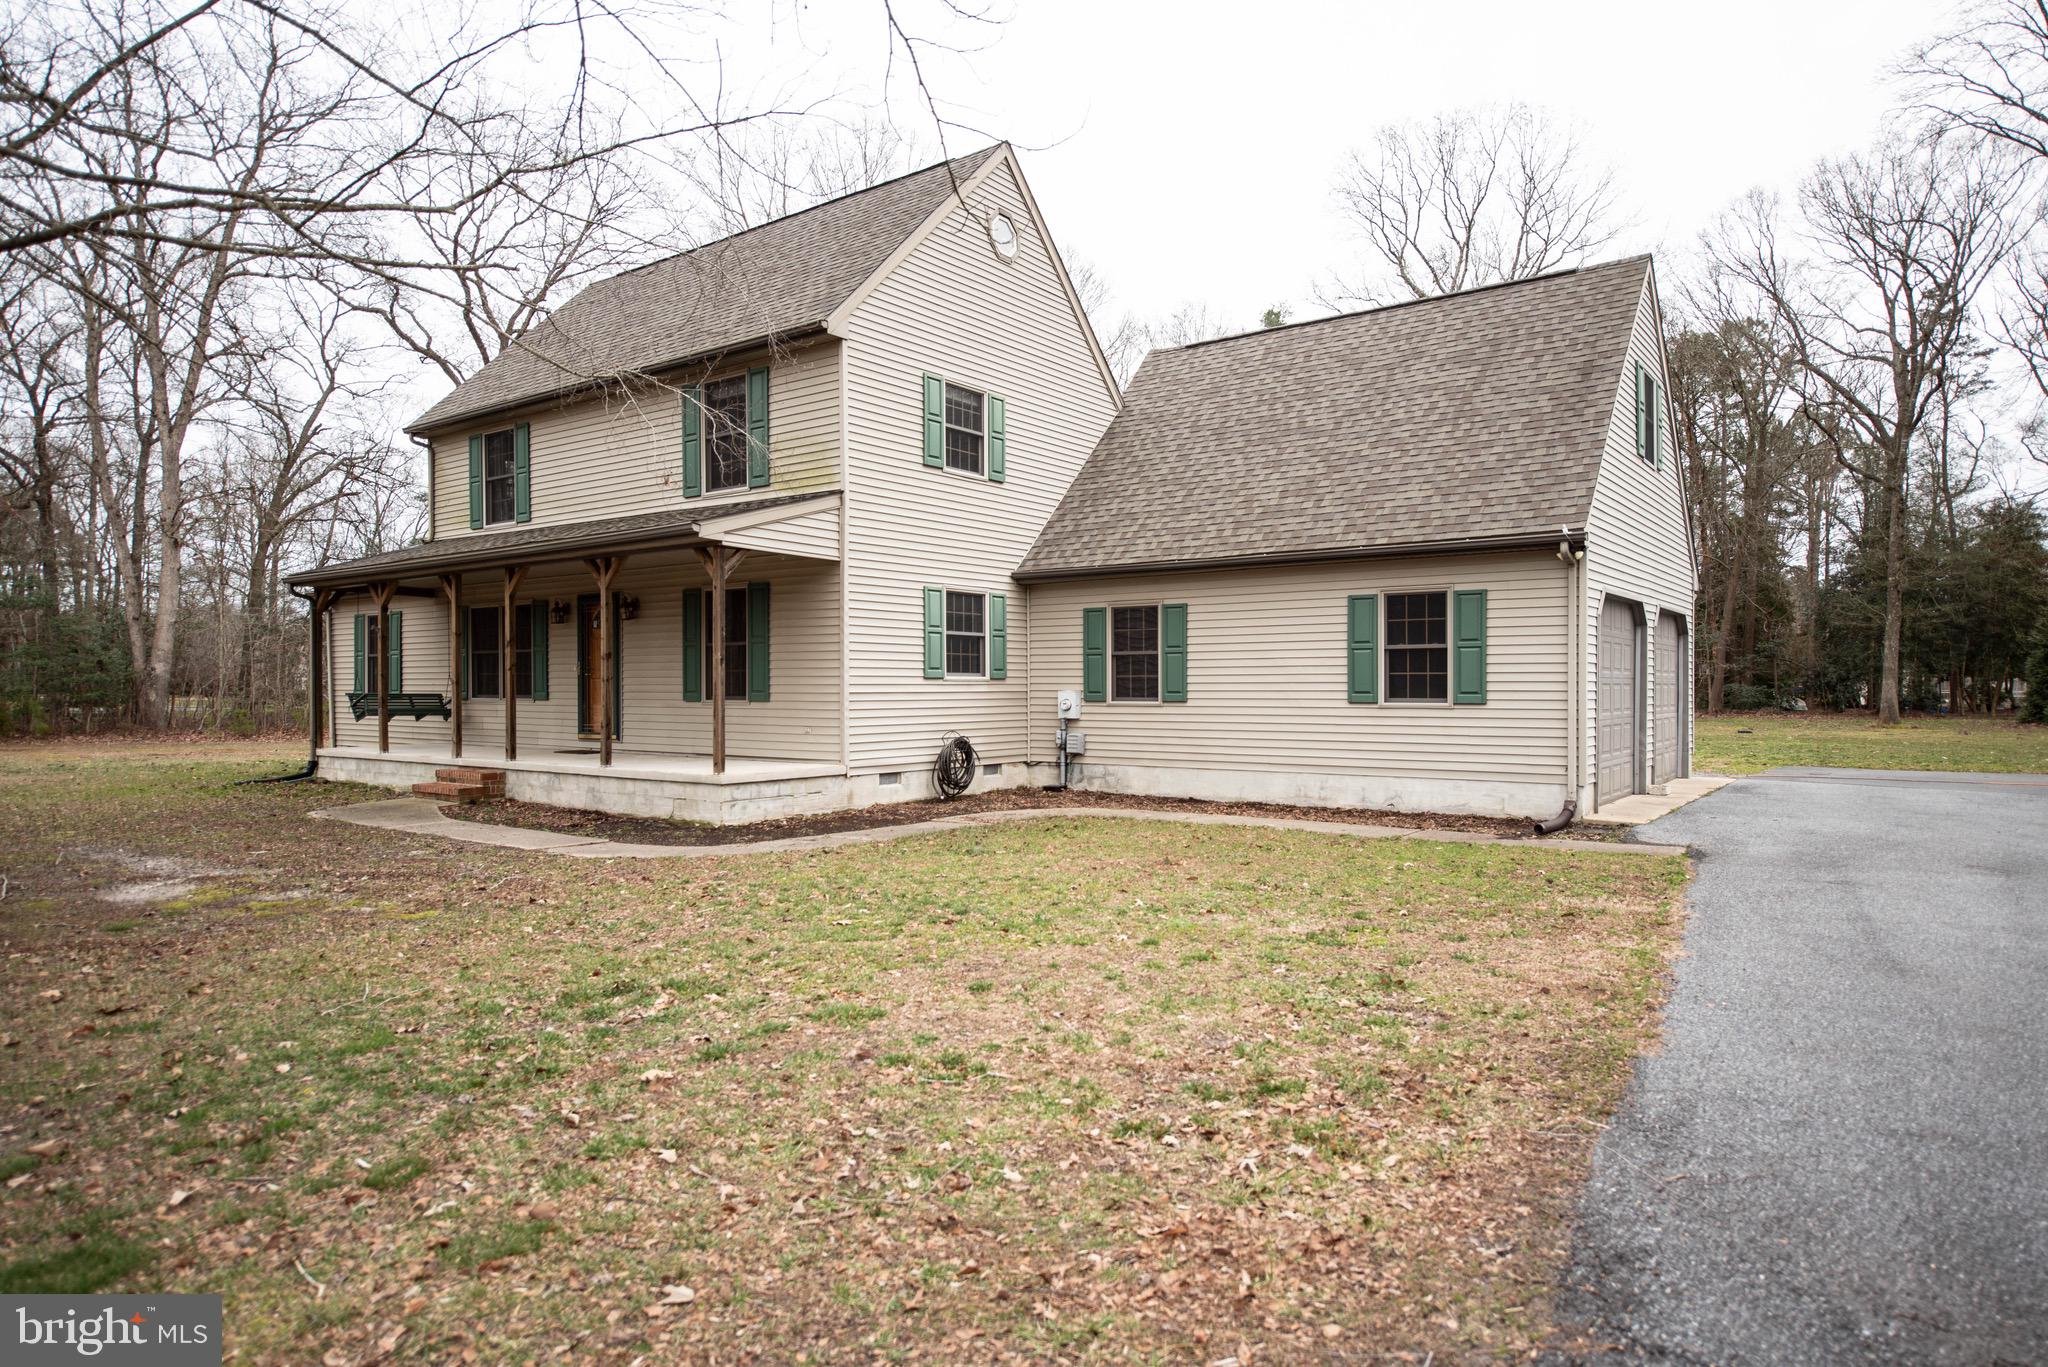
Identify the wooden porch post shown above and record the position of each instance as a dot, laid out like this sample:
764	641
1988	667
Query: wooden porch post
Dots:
382	594
451	585
605	569
515	575
719	562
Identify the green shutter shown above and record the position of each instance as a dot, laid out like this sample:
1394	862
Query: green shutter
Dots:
935	633
1095	654
537	630
1173	652
757	428
934	420
476	481
394	653
522	496
757	642
995	438
1468	639
462	667
1651	425
693	441
1362	648
362	674
693	645
998	636
1642	415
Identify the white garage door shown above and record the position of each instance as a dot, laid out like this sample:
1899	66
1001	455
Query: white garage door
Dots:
1671	692
1618	723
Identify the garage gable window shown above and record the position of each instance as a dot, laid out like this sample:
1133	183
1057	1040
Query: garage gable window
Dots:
1418	647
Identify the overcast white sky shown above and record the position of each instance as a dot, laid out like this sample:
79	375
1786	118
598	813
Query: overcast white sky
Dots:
1187	149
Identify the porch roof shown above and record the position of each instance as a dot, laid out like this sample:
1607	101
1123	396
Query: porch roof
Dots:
566	541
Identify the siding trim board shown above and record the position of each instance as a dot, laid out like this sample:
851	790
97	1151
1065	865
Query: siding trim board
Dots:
1574	537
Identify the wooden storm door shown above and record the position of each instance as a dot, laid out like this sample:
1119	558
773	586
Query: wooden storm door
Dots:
590	669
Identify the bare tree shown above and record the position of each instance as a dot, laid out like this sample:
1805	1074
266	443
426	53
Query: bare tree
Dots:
1470	198
1877	300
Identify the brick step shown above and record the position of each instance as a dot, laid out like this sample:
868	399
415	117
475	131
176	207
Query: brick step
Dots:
456	792
462	774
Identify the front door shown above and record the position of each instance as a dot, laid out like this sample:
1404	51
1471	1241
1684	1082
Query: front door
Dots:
589	668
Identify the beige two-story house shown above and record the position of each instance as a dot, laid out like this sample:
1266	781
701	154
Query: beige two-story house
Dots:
752	530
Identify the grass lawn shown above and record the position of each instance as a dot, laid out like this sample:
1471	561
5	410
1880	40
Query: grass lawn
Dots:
1744	743
1094	1090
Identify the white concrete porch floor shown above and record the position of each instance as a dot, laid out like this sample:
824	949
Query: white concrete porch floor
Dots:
1635	810
638	764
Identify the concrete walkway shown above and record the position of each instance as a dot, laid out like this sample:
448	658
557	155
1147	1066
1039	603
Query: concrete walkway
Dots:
1642	807
419	816
1840	1153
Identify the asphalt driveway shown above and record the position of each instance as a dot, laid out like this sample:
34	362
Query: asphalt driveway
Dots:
1840	1155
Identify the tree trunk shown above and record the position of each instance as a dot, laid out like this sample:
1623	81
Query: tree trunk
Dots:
1894	593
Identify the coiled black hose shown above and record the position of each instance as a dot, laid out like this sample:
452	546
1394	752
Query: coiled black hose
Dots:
954	768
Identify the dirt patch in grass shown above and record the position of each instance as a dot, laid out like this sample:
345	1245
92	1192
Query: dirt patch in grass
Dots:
1082	1090
650	830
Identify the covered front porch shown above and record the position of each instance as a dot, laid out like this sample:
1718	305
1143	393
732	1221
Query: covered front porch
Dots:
679	665
633	783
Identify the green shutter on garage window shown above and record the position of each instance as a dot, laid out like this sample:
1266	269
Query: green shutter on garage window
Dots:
362	675
537	629
1173	652
1468	641
693	440
757	428
693	645
522	473
934	420
1362	648
394	653
476	481
1095	654
998	636
997	444
935	633
757	641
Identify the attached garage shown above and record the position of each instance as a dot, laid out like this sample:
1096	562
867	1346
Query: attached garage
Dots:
1619	701
1671	670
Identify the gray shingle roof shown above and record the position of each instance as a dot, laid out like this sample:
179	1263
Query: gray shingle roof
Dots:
535	545
779	280
1478	416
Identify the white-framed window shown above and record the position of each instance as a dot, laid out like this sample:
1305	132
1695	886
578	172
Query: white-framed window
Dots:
966	428
500	504
735	643
1418	646
1134	643
725	433
966	635
486	658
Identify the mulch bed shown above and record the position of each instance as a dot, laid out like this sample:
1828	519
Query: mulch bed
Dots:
654	830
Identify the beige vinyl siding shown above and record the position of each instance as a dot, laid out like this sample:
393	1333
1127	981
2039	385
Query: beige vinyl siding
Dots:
800	720
1638	545
953	308
814	535
424	640
1267	673
617	455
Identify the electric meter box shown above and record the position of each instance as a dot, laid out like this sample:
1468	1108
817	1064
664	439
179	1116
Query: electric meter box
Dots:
1070	704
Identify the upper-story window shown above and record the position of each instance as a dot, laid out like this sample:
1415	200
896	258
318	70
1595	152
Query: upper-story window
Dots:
963	429
965	432
499	503
725	436
498	477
